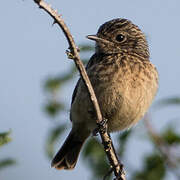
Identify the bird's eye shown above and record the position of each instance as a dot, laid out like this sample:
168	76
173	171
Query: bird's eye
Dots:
120	37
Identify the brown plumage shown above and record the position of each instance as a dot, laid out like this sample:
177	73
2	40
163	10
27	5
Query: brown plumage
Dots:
125	83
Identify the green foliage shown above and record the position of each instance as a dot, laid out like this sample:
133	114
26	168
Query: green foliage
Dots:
53	108
95	158
6	163
122	140
153	168
53	84
4	138
53	136
85	48
168	101
170	136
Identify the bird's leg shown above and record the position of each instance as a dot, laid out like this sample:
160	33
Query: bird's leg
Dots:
101	126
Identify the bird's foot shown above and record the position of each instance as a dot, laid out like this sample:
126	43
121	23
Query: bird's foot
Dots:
102	127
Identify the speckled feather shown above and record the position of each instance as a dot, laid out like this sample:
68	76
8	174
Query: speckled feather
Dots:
125	86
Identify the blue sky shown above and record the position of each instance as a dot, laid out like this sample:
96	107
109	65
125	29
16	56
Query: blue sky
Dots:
31	49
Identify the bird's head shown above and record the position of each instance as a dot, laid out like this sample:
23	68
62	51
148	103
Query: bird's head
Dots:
120	36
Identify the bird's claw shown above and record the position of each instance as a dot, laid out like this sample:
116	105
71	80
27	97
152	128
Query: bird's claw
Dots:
102	127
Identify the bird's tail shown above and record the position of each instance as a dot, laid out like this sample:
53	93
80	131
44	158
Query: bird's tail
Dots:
67	156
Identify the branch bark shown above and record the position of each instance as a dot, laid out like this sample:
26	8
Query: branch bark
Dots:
116	166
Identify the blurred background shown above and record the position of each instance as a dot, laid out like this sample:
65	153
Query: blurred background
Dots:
37	81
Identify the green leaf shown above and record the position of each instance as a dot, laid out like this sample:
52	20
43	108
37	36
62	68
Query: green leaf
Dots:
53	84
4	138
95	157
86	47
54	135
122	139
168	101
153	169
6	162
53	108
170	136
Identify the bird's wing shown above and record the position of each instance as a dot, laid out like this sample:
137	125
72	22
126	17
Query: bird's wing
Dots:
89	64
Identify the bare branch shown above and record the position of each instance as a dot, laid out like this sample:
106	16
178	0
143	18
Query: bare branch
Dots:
116	166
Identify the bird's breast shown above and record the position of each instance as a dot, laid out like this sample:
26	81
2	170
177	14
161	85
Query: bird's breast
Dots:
123	93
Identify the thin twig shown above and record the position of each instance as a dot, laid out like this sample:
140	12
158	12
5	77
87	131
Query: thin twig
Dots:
106	140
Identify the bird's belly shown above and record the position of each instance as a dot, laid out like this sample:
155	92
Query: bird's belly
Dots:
123	105
122	108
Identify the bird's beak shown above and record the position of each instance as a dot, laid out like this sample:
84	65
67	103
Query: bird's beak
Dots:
97	39
93	37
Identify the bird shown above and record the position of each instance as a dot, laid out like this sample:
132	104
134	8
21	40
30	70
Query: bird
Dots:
125	83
